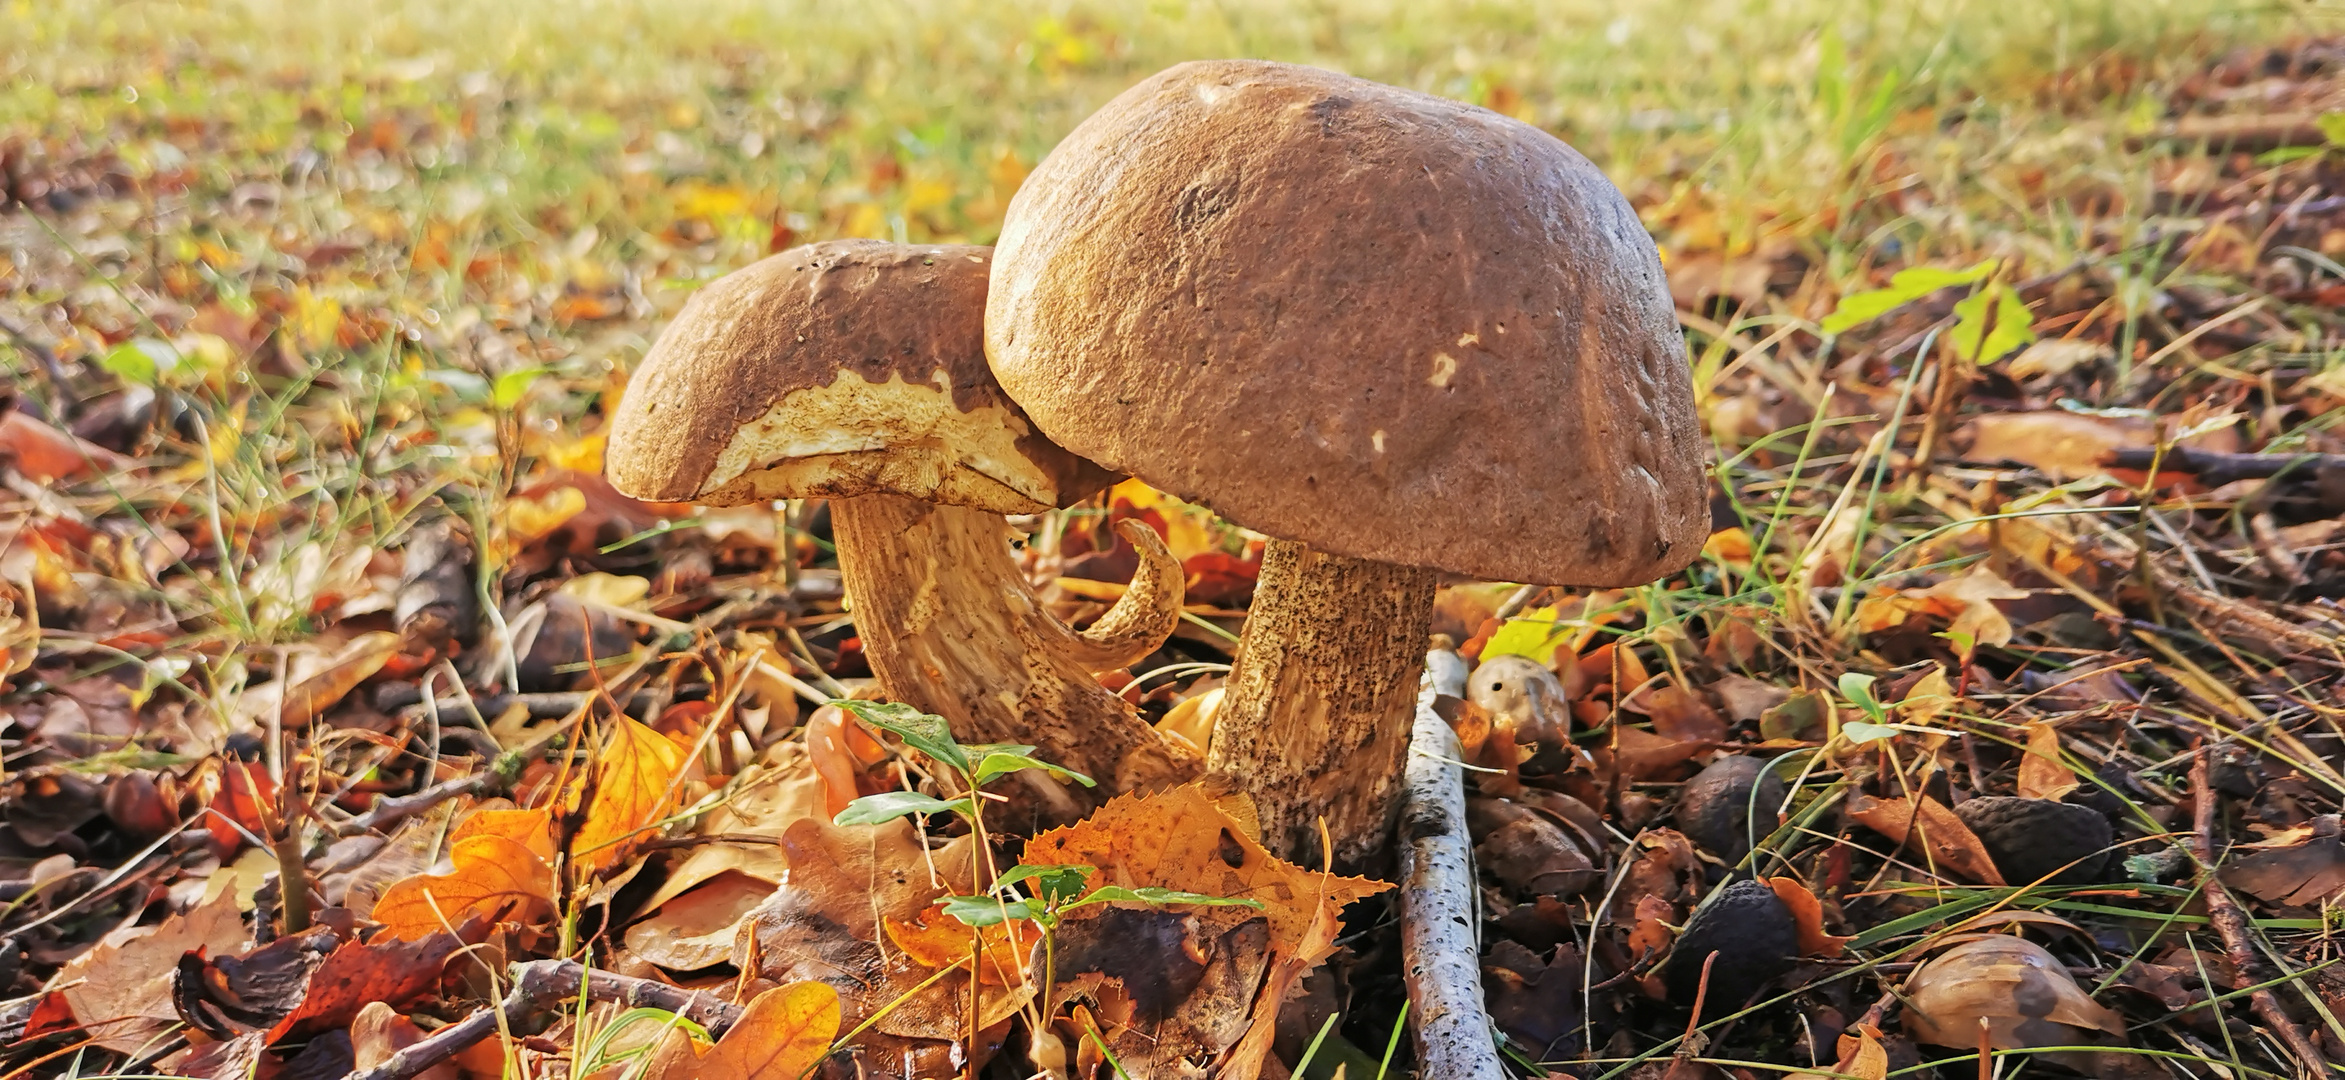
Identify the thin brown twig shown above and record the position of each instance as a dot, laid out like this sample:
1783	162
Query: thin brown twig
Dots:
2232	925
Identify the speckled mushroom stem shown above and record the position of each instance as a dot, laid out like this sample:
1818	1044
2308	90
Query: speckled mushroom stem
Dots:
951	627
1316	718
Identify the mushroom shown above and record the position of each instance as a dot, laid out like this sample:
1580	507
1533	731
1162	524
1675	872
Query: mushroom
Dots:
854	371
1399	334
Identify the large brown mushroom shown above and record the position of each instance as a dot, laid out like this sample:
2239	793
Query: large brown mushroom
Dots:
1400	334
855	371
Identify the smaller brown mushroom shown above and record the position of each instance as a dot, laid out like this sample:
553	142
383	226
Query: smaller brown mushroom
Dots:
855	371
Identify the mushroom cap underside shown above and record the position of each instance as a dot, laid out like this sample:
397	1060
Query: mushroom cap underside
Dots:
842	368
1384	324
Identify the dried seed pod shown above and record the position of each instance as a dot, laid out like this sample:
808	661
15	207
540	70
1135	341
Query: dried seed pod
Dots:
1714	809
2021	992
1756	939
2029	838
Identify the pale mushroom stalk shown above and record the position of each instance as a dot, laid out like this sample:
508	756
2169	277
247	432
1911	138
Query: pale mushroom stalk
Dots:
854	371
950	626
1399	334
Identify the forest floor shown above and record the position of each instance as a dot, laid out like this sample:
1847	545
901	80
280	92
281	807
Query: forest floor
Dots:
2020	337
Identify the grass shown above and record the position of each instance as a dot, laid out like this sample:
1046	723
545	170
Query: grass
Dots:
388	262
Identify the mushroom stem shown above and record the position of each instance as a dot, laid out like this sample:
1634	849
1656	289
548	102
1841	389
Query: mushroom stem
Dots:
951	627
1315	722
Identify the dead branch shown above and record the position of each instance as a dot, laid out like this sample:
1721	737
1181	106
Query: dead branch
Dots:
2231	924
2216	469
540	983
1438	917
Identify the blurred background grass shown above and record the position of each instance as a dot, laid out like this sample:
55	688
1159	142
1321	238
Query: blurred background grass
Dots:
1725	119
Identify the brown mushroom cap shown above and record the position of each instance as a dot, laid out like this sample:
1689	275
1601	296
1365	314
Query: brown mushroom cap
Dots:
851	367
1380	323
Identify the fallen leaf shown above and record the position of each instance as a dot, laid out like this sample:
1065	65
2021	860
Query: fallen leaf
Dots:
2022	992
1949	843
293	704
247	798
1861	1057
120	992
2042	775
696	930
1184	839
2301	867
490	876
938	940
1966	602
2070	445
42	453
1808	912
383	969
782	1035
379	1031
634	787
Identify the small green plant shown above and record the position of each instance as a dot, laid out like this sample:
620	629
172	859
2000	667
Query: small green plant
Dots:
1039	894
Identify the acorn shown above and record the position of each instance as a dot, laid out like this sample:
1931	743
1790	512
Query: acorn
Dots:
1756	940
2029	838
1714	808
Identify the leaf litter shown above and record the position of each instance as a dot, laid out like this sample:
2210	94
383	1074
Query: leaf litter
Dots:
308	581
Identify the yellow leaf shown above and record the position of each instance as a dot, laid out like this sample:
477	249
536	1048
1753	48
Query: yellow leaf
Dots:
939	940
315	320
1930	698
634	787
2042	775
782	1035
490	875
529	520
532	829
1861	1057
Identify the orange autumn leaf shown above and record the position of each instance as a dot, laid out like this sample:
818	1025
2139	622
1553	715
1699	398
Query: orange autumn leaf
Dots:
532	829
1949	843
782	1035
1174	839
490	876
938	940
1808	913
2042	775
1862	1057
246	804
1966	603
634	787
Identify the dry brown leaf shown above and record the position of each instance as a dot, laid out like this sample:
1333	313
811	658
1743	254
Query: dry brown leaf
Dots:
782	1035
2069	445
1966	602
1861	1057
767	806
634	787
697	929
2300	867
20	629
43	453
120	992
2022	992
1175	839
2042	775
1950	844
1808	912
379	1032
856	875
293	703
490	876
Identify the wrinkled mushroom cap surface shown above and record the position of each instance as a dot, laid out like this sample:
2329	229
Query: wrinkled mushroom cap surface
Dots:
851	367
1384	324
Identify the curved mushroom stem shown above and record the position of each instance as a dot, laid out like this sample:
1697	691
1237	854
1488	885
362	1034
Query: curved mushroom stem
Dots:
952	628
1315	722
1141	618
